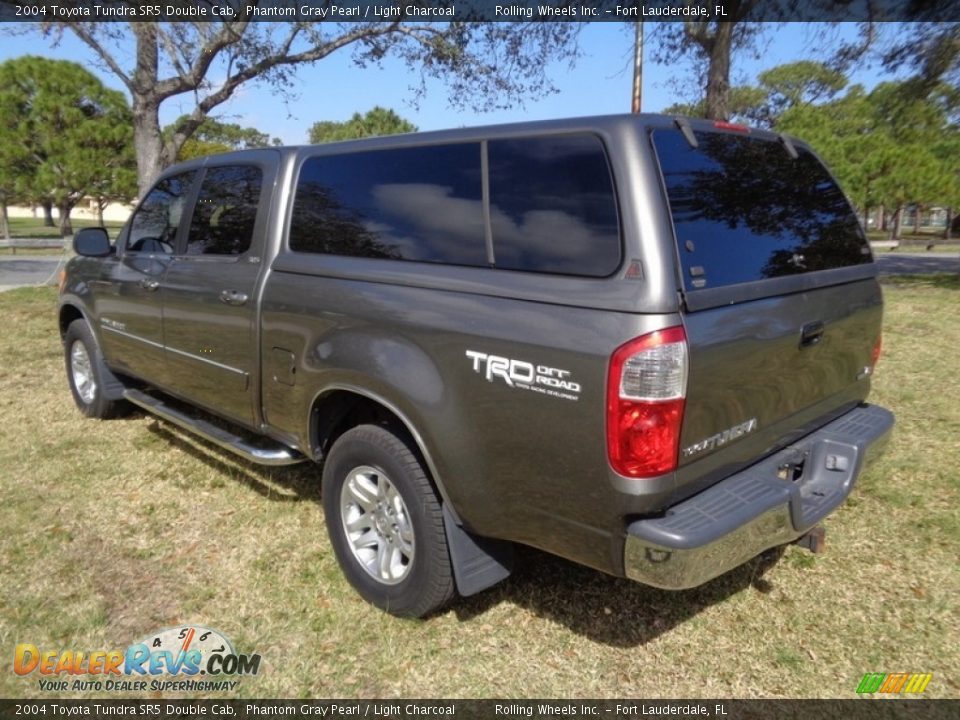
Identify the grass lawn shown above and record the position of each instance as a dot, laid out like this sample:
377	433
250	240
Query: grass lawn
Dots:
112	530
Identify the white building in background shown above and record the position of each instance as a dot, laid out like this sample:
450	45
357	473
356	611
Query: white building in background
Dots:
84	210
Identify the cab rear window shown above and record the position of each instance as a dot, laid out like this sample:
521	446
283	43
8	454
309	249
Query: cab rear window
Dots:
744	210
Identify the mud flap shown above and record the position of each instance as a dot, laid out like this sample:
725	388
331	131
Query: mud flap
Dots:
478	562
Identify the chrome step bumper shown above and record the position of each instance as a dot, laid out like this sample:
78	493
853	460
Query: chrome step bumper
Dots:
756	509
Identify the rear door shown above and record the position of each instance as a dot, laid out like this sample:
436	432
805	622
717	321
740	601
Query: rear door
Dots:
210	289
783	309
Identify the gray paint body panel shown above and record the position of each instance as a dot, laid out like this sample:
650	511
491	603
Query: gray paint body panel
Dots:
513	463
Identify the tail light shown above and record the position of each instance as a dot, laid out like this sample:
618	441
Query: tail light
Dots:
875	354
646	391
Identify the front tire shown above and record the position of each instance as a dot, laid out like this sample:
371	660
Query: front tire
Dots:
385	523
88	375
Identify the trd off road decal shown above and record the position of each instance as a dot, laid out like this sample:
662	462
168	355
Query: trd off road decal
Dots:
525	375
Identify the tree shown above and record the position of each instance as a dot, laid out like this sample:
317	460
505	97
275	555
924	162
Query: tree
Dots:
485	65
886	147
711	44
743	103
946	151
214	137
787	86
14	162
73	132
930	49
376	122
916	124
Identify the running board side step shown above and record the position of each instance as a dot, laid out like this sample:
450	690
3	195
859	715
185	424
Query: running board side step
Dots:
275	455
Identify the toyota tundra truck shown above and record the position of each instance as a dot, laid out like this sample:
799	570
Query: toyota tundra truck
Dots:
642	343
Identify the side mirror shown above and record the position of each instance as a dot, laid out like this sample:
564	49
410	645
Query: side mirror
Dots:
92	242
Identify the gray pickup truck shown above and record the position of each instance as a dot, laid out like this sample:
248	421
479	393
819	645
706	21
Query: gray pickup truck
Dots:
643	343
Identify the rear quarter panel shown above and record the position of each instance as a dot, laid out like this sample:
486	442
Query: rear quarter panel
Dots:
516	463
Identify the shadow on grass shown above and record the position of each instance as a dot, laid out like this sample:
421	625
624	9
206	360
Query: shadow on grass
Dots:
283	484
609	610
605	609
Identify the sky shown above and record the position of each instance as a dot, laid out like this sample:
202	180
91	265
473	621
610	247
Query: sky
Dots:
334	89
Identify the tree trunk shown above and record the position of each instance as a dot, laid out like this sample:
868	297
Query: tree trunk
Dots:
895	228
718	73
148	144
66	227
946	230
866	218
916	218
100	204
47	213
146	109
5	220
883	218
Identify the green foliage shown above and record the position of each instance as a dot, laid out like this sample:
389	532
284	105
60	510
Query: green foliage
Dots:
788	86
742	103
214	137
376	122
203	64
801	82
886	147
694	110
64	136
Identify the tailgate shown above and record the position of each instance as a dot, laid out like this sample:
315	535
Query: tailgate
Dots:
756	383
782	306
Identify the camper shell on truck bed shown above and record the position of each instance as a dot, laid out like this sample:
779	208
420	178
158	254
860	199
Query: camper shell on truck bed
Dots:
643	343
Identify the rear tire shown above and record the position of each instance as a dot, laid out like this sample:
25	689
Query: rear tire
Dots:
88	375
385	523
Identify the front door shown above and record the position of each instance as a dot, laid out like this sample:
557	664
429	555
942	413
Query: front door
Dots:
210	289
130	301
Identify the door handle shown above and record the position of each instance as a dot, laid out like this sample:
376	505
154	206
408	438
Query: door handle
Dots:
233	297
811	334
149	285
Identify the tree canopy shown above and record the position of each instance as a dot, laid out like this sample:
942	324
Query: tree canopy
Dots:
64	136
887	147
214	137
202	64
375	122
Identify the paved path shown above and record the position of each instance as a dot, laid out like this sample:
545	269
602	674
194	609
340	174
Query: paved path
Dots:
899	263
19	270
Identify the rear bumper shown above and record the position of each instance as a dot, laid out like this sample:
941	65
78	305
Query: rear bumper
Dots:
755	509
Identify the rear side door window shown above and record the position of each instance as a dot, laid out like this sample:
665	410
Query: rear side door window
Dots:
422	204
226	211
552	206
156	222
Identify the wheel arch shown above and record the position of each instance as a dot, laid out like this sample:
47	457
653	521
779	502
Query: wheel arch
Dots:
68	313
339	407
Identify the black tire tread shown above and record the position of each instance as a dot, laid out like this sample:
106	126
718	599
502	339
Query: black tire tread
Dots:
440	586
107	383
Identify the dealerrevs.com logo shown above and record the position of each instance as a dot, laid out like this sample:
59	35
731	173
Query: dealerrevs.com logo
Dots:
181	659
